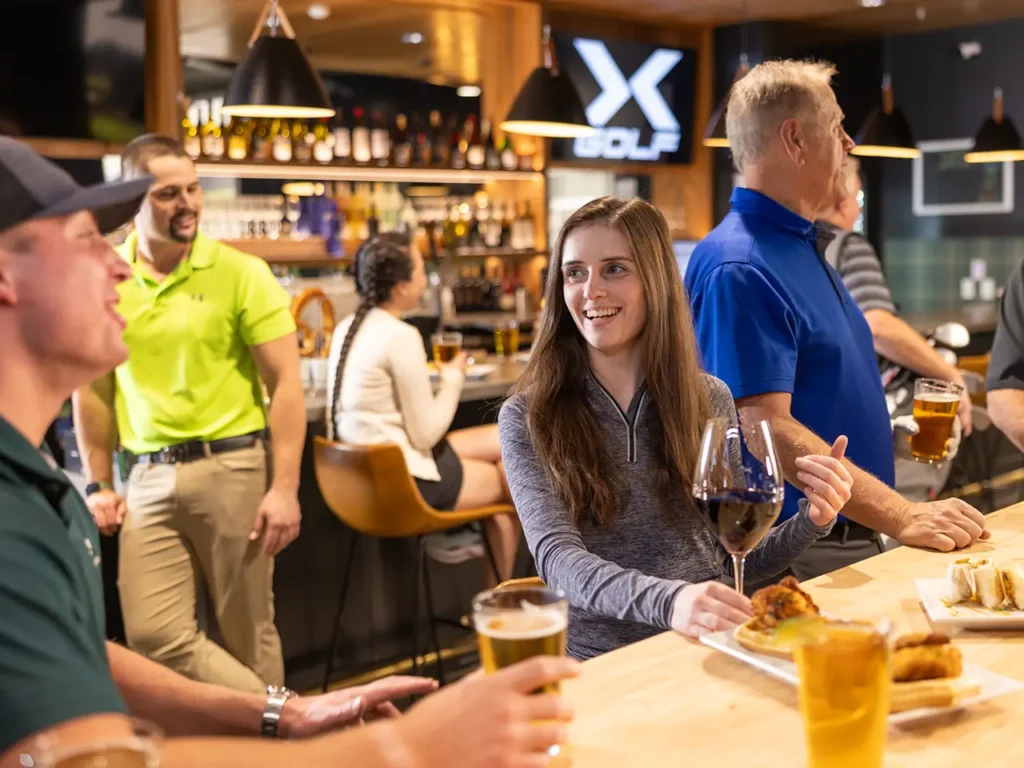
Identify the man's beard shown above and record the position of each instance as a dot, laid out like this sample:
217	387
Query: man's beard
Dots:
175	230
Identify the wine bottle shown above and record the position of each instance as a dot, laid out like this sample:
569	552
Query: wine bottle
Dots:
380	141
491	144
528	233
440	146
282	148
372	222
238	139
457	147
211	139
361	154
476	154
302	151
422	146
401	147
342	139
323	142
190	136
260	145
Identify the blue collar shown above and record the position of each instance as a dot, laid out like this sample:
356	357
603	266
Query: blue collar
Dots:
748	202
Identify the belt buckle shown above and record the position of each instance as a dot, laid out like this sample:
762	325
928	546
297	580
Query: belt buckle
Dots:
172	454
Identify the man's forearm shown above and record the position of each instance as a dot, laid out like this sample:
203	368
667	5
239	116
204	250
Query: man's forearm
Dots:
873	503
1006	408
96	428
287	420
183	707
897	341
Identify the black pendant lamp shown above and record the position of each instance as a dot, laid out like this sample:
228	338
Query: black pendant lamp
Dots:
276	79
714	134
997	140
548	103
886	132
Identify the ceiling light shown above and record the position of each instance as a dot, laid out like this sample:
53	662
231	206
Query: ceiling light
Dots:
886	132
548	104
468	91
921	13
872	3
997	139
412	38
318	11
275	79
714	134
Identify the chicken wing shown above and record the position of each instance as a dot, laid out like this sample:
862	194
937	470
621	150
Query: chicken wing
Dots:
925	657
781	601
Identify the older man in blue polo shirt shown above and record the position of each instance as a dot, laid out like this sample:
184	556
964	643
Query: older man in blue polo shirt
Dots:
775	322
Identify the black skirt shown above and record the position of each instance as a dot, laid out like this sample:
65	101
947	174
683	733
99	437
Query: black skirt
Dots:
442	494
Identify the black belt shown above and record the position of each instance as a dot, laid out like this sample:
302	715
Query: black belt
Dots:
847	530
199	449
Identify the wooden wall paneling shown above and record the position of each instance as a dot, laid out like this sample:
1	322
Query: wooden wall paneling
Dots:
164	82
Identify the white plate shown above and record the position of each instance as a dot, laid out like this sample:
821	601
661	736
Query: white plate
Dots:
473	372
992	683
936	595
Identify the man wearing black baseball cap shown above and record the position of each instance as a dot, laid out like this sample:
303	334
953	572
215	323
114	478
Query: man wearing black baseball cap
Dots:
62	686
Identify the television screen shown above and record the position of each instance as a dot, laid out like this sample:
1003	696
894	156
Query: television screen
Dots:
73	68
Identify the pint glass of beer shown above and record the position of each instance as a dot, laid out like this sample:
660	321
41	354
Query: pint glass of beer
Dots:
935	404
506	338
446	346
518	623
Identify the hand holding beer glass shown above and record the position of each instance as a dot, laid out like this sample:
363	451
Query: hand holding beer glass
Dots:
935	413
517	623
447	346
139	749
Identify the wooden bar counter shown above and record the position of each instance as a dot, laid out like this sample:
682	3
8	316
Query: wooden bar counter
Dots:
669	701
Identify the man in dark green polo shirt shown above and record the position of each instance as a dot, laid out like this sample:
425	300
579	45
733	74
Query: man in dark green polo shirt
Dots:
61	683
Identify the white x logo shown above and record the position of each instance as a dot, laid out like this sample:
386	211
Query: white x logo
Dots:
616	90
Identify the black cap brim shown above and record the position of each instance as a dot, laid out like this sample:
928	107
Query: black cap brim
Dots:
113	204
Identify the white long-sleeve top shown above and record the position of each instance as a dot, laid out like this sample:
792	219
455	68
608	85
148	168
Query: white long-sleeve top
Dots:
386	396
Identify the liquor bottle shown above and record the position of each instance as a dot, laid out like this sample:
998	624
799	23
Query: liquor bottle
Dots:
372	222
260	145
302	152
439	141
360	139
342	139
342	199
408	219
357	212
401	147
238	139
323	142
528	230
509	161
474	237
493	162
476	153
492	228
506	226
190	136
380	141
282	148
457	146
422	146
211	139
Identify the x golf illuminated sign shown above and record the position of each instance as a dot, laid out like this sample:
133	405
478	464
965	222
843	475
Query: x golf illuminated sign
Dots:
639	97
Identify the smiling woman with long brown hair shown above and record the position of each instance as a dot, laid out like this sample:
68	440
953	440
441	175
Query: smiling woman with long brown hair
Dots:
601	436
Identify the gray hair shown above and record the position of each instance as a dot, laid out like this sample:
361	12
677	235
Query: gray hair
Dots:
770	93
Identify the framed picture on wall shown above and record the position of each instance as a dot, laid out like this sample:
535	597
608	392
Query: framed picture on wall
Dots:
946	185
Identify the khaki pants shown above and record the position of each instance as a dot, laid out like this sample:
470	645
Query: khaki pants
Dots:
188	524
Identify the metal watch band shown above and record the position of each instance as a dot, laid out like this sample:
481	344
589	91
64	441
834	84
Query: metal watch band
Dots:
276	698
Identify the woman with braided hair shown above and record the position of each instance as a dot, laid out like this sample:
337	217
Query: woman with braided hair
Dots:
381	393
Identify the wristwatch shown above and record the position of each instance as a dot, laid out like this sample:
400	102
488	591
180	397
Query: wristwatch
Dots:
92	488
277	695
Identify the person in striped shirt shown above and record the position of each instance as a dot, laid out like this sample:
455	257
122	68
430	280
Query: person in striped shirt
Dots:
857	263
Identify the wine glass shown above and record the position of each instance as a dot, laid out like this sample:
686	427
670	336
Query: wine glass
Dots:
738	486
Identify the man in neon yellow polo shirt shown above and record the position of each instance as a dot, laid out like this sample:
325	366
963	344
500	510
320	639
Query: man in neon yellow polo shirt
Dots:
206	326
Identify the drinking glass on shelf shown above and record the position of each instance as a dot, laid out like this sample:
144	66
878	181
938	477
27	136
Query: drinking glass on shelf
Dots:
935	407
139	749
446	346
506	338
738	486
844	693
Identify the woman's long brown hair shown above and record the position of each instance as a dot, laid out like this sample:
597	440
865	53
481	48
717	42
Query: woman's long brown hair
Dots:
561	425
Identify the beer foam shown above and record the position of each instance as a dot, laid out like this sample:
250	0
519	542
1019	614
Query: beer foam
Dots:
938	397
529	625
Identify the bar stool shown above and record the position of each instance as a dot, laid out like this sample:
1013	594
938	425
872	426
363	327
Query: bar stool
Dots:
369	488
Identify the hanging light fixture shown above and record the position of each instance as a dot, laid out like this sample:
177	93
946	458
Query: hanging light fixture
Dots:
548	103
276	79
886	132
997	140
715	135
